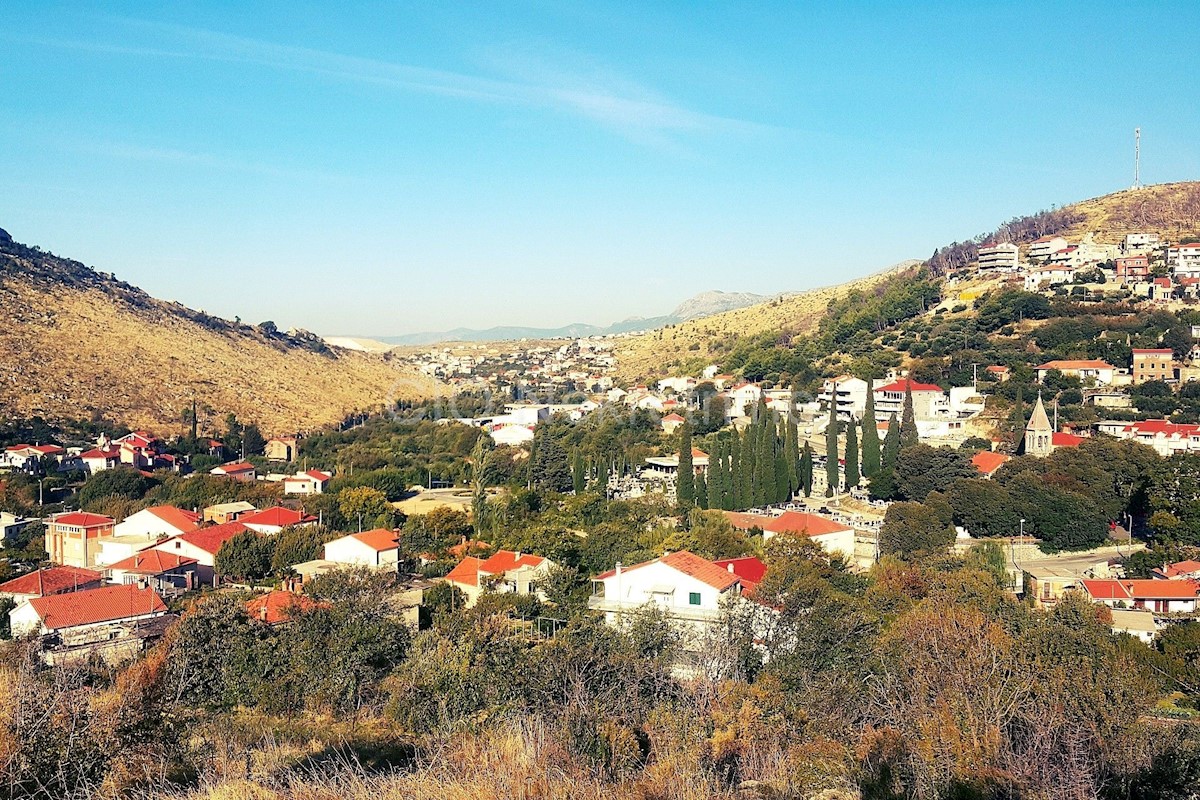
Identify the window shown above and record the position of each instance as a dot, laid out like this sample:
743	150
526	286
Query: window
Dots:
694	598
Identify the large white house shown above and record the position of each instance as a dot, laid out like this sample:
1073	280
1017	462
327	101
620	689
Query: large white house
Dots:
503	572
847	394
929	401
1094	370
375	548
1000	256
834	537
688	588
313	481
86	614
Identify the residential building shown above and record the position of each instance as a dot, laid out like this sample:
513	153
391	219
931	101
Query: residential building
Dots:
313	481
671	423
1041	248
1052	275
847	394
999	256
47	581
167	573
1164	436
281	448
1132	269
1159	596
834	537
929	401
30	457
743	397
279	606
1153	365
158	521
1139	241
1180	570
1184	259
1137	623
79	625
1087	370
668	466
221	513
273	520
73	539
376	548
750	570
988	461
100	458
689	589
998	373
236	470
202	545
11	525
505	572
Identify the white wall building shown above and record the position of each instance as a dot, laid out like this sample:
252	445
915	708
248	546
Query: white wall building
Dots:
376	549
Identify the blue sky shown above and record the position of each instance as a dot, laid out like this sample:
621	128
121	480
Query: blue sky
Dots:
388	167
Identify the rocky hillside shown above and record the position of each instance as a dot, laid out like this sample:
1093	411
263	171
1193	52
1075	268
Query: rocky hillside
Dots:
76	343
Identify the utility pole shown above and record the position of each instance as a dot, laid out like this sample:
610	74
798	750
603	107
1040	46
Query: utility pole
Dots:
1137	158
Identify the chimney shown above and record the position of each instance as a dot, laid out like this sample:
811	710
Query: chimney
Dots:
729	566
518	556
618	571
262	613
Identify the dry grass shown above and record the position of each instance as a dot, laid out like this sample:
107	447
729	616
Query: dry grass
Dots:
658	352
71	352
1170	209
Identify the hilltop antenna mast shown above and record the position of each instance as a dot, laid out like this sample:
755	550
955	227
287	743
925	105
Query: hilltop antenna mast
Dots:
1137	158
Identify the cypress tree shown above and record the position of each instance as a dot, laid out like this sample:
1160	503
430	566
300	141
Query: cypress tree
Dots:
764	461
602	476
791	451
726	475
806	469
685	488
578	478
745	463
852	474
870	434
831	455
883	485
1019	420
702	491
908	422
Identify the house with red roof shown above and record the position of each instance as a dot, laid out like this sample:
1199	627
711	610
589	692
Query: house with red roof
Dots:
689	589
988	461
1180	570
158	521
376	548
73	539
167	573
91	615
998	372
749	569
273	520
49	580
1164	436
929	401
1088	370
279	606
504	572
28	457
313	481
1173	596
99	459
236	470
835	538
202	546
671	422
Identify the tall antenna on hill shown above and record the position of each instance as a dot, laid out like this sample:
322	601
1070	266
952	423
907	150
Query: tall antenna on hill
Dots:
1137	158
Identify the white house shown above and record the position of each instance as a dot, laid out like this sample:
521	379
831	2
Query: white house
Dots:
158	521
999	256
1040	249
1038	277
1159	596
504	572
834	537
1184	260
202	545
742	399
1093	370
376	548
237	470
99	459
86	615
273	520
929	401
847	393
688	588
314	481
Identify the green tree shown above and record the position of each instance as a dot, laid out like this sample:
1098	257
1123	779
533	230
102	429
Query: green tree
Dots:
363	506
549	467
702	500
806	469
831	455
685	487
921	469
908	421
870	435
253	442
914	530
578	477
852	473
247	556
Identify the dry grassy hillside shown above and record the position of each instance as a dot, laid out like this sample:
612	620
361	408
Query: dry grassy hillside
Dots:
75	344
1170	209
658	352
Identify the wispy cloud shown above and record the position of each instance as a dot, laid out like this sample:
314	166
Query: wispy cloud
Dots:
618	105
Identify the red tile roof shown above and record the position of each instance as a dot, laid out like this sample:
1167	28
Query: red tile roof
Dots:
96	454
1171	570
749	569
466	571
51	580
279	606
1091	363
106	604
797	522
82	519
504	560
210	539
899	386
152	562
988	461
1155	351
278	516
179	519
236	467
672	418
1143	589
688	563
1065	440
379	539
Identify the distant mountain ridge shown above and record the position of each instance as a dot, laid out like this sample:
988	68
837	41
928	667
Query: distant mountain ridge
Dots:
704	304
